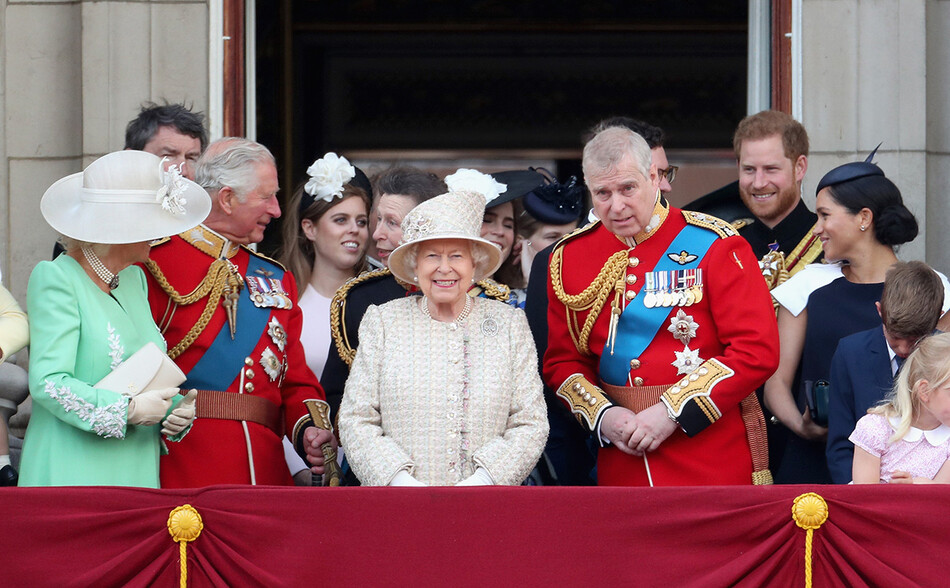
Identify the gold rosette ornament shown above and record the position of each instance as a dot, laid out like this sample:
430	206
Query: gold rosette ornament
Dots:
184	525
809	511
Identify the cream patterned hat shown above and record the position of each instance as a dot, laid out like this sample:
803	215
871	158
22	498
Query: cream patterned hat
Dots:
124	197
455	215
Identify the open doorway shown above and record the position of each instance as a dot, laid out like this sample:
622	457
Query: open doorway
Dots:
496	85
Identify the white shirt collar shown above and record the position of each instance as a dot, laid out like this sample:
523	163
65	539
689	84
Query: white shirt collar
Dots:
935	437
890	352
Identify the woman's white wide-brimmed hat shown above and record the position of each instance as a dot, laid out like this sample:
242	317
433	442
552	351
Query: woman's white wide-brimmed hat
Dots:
455	215
124	197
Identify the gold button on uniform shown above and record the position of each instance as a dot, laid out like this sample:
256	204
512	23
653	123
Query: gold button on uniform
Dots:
630	294
248	361
631	279
249	373
633	262
249	387
638	381
634	364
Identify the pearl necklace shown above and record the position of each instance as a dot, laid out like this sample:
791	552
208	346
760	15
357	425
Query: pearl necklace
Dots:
462	315
111	279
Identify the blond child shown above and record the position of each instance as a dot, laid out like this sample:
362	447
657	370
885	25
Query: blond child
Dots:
906	438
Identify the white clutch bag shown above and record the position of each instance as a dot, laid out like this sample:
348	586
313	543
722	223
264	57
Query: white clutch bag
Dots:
146	369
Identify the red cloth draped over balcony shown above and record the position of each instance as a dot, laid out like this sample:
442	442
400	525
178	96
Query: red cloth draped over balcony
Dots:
269	536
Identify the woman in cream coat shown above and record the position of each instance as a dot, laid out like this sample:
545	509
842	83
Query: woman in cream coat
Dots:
444	388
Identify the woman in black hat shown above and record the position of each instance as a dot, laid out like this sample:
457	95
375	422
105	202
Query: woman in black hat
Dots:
861	220
545	215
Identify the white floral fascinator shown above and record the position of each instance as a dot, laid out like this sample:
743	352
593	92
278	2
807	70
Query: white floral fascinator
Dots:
328	175
171	194
470	180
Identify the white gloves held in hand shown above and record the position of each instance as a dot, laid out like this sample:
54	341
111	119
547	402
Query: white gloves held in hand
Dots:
404	478
481	477
149	407
182	416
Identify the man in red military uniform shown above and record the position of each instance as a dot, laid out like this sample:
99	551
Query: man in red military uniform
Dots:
232	324
660	330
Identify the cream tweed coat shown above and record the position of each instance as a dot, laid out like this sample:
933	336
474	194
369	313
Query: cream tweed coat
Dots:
441	399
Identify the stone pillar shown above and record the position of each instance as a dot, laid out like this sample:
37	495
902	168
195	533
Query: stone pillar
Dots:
74	74
866	79
938	133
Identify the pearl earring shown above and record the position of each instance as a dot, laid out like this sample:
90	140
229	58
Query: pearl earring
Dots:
415	279
863	228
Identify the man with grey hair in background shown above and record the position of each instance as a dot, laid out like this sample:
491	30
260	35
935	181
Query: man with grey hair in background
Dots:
660	330
170	131
232	324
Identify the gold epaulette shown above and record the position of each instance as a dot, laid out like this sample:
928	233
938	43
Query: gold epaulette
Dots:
338	309
741	223
576	233
707	221
264	257
491	289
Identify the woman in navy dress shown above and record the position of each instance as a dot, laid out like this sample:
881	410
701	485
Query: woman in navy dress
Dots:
861	219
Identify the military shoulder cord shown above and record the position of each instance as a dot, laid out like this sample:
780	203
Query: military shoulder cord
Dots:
593	296
212	285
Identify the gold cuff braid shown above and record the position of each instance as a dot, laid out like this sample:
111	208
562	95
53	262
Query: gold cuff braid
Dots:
587	401
697	387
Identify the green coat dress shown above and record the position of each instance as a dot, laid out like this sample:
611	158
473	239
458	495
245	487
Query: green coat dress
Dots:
78	435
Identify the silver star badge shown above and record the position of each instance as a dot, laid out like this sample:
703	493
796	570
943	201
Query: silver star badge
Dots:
270	363
687	360
683	327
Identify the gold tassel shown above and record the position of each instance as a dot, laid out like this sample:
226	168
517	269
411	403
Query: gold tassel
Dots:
184	525
809	511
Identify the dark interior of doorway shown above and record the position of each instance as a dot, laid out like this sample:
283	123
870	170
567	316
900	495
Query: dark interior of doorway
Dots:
493	78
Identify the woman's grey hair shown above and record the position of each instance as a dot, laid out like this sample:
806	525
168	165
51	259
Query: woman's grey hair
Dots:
480	259
610	146
71	245
232	162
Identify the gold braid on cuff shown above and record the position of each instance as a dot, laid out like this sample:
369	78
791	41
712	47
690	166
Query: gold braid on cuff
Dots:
587	401
697	387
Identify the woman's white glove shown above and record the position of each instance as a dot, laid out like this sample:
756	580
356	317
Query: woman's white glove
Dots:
182	416
404	478
150	406
481	477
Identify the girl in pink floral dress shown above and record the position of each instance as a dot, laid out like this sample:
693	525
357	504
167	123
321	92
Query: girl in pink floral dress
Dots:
906	438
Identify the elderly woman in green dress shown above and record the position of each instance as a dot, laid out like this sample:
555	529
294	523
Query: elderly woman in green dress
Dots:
444	389
89	312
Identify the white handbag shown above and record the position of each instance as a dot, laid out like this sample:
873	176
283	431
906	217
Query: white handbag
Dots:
146	369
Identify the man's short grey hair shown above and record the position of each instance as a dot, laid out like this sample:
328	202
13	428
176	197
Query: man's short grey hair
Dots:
232	162
608	147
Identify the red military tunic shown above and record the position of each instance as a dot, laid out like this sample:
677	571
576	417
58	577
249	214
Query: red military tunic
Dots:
732	351
215	451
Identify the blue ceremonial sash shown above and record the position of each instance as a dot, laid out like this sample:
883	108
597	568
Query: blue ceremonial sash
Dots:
222	361
638	325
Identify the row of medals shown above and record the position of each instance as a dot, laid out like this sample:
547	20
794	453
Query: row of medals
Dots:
668	297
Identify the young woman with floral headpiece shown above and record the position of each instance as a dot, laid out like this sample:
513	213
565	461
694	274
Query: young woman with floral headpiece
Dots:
325	235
